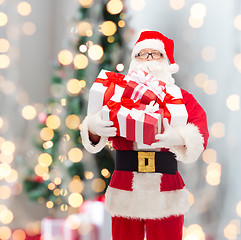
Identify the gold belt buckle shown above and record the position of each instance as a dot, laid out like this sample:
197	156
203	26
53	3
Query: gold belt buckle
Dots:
146	161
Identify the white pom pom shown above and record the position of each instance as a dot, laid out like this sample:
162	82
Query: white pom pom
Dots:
173	68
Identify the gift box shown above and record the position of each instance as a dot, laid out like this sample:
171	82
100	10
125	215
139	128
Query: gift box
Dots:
144	86
105	86
134	121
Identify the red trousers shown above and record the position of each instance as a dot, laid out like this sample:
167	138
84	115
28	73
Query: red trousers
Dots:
134	229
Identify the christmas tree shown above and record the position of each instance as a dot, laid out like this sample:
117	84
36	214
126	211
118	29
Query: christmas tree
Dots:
64	173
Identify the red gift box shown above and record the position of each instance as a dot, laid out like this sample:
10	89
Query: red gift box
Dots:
105	86
134	121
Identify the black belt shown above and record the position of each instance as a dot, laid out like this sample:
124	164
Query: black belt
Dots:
134	161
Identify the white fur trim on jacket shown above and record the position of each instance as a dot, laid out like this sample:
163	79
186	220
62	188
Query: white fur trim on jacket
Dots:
89	146
146	204
193	144
148	43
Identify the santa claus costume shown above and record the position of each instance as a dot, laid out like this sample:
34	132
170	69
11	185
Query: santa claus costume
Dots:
152	203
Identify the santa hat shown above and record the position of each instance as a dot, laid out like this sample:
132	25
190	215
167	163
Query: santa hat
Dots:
156	41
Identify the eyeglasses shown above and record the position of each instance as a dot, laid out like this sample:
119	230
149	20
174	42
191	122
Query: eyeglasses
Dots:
145	55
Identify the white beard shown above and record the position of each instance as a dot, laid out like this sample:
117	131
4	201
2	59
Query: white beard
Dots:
157	69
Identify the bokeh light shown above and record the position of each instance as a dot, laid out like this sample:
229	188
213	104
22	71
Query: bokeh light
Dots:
233	102
4	45
120	67
86	3
191	199
53	122
72	121
5	192
45	159
108	28
75	155
177	4
75	200
218	130
73	221
4	61
29	28
49	204
29	112
46	134
95	52
24	8
213	174
194	232
121	23
41	170
195	23
73	86
98	185
12	177
5	233
209	155
85	29
3	19
210	87
105	173
76	185
114	6
8	148
237	22
137	5
89	175
65	57
238	208
19	234
198	11
208	53
83	48
232	230
9	87
237	61
80	61
200	79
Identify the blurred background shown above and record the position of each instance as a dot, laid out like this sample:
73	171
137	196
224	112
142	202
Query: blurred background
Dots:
51	53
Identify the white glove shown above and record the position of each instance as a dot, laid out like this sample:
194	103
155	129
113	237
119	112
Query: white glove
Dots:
169	138
98	126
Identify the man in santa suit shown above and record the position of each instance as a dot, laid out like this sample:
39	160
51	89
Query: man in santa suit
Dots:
151	203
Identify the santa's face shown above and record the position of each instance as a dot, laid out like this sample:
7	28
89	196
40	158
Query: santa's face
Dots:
156	65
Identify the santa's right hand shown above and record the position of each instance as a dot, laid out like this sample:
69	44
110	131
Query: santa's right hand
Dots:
100	127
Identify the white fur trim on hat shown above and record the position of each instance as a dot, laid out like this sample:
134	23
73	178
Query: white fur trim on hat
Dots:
146	204
149	43
89	146
173	68
193	144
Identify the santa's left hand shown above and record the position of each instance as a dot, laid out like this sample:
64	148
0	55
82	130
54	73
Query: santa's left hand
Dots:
169	138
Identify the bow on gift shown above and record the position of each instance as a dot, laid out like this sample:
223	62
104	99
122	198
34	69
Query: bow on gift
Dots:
138	114
115	107
112	80
169	99
154	84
